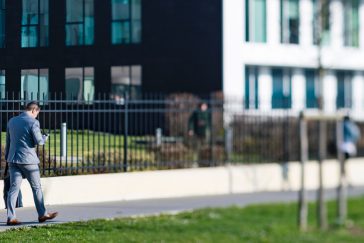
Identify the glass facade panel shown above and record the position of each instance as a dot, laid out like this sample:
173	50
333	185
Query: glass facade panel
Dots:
126	80
43	23
256	21
29	36
80	84
324	11
2	23
251	88
79	22
311	89
120	9
136	18
282	88
121	32
89	87
290	21
74	34
126	21
344	90
34	31
34	84
351	23
74	11
2	84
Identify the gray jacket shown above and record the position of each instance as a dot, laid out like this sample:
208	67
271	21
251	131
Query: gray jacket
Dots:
22	135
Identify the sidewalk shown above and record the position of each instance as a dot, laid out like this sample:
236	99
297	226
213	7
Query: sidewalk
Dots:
83	212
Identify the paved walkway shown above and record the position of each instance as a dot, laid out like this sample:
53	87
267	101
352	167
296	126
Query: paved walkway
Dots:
82	212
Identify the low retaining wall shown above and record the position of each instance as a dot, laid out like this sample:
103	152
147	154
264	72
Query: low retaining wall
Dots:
187	182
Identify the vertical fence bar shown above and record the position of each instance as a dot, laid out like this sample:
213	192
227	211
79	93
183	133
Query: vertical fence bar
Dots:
66	121
322	211
342	188
303	209
72	130
125	167
49	133
88	133
55	134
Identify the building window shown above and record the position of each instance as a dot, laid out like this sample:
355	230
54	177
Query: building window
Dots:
126	80
282	88
312	89
126	21
321	8
34	84
2	23
79	22
256	21
290	21
344	89
34	29
2	84
351	23
251	87
80	84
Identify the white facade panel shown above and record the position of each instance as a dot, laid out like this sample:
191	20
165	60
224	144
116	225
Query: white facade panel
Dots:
329	87
358	98
306	17
335	56
233	37
274	21
265	83
337	20
298	89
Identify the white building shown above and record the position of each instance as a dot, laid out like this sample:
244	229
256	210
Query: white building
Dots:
269	54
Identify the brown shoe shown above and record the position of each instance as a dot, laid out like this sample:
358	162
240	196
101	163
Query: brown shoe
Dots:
13	222
47	217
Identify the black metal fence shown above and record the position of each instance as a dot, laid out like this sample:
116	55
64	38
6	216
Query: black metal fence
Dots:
119	135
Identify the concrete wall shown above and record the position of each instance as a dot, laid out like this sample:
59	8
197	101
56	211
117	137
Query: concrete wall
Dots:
187	182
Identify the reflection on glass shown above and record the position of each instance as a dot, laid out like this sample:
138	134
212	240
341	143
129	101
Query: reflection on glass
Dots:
2	84
79	22
34	31
34	84
126	21
89	88
344	89
351	23
80	84
126	80
256	21
74	34
290	21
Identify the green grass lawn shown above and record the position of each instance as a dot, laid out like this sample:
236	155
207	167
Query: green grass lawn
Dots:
261	223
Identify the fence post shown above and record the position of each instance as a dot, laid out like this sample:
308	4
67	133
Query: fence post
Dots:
229	142
342	188
126	125
322	212
64	140
158	136
302	217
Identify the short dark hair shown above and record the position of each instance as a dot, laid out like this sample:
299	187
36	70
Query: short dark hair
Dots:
31	106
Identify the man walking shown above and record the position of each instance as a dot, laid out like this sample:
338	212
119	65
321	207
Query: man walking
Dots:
22	135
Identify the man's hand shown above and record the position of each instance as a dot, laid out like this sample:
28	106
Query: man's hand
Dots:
45	137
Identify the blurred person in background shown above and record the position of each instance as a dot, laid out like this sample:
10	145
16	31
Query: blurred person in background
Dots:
199	128
352	135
